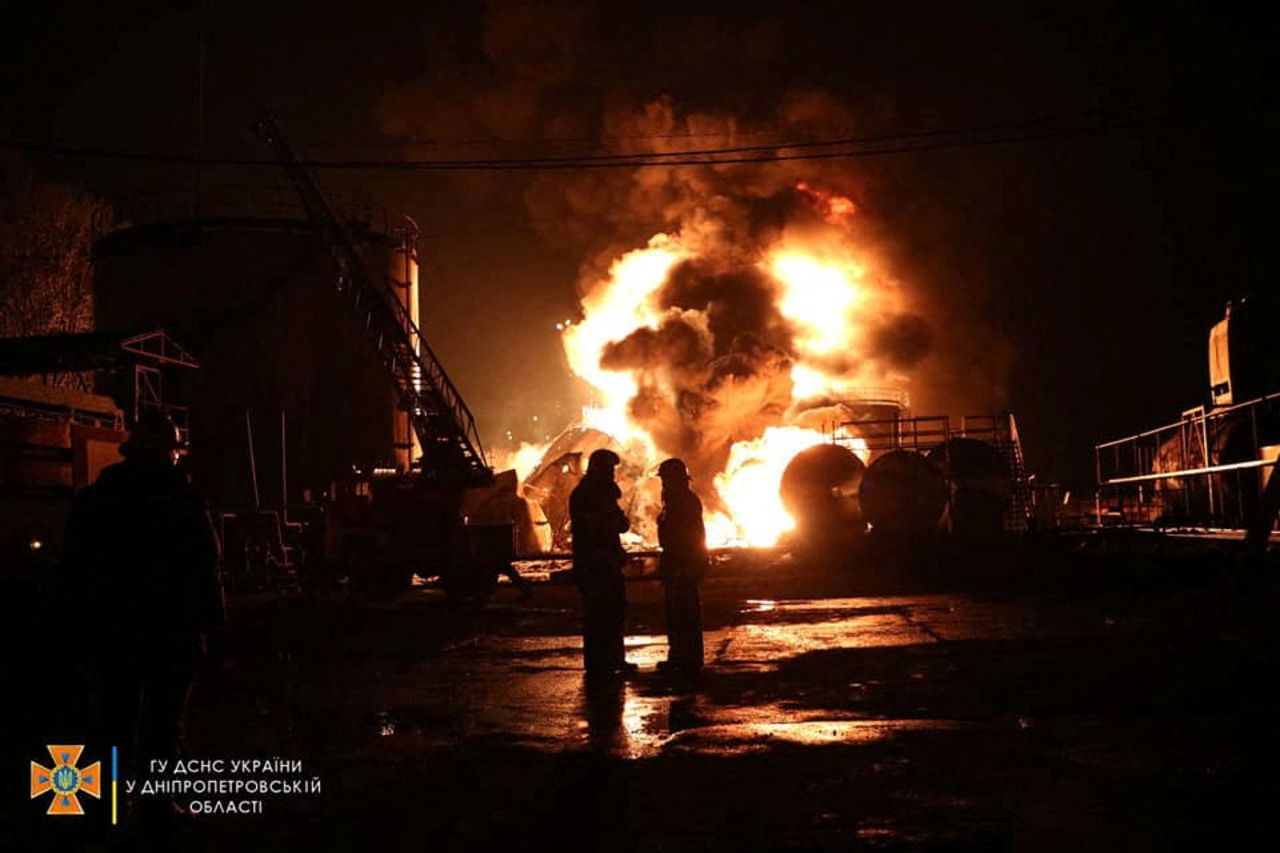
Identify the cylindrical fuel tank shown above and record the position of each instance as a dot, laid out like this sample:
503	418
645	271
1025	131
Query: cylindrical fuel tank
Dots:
255	301
903	492
981	485
819	489
403	277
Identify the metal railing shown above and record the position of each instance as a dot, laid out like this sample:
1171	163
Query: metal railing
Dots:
932	433
1205	470
920	434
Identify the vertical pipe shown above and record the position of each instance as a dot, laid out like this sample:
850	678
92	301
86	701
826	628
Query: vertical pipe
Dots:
1257	449
1097	492
137	392
1241	521
1204	437
201	52
403	273
1257	454
946	461
1182	464
284	469
413	293
253	463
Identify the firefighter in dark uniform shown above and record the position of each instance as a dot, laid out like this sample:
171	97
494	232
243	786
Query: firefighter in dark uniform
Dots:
598	558
142	548
682	566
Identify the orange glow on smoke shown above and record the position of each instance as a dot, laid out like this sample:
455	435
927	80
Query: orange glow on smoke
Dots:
834	208
610	314
828	291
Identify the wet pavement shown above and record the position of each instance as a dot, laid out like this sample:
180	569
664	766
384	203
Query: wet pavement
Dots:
1133	716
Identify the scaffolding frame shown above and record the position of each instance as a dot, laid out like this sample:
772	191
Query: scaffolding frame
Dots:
146	354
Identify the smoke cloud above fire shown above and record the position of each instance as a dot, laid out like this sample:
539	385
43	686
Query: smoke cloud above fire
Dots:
736	323
718	302
568	78
716	363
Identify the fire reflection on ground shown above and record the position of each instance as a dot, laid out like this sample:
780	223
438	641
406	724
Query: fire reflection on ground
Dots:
530	690
888	718
761	737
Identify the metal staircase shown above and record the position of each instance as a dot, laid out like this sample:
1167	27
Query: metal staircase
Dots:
1001	431
1019	509
445	427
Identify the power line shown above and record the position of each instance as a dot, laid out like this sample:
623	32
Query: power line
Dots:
720	134
651	157
881	145
540	140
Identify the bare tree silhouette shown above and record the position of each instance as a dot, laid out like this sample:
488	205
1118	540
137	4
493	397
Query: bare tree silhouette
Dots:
47	230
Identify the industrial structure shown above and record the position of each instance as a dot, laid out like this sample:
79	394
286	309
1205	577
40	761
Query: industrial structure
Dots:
384	529
254	298
328	437
55	439
320	424
880	468
1205	471
923	473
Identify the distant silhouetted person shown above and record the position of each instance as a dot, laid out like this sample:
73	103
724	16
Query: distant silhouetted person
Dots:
142	547
682	566
598	559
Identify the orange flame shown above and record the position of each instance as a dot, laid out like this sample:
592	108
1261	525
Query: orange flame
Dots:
823	286
749	487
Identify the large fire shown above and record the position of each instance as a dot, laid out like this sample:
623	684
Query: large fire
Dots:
749	487
669	381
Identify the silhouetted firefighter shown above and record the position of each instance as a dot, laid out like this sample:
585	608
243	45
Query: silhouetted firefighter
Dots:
142	548
681	566
598	558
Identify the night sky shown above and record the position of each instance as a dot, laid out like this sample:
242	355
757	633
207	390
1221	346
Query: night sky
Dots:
1083	271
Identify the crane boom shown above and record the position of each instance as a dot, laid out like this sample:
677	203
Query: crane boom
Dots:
445	427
